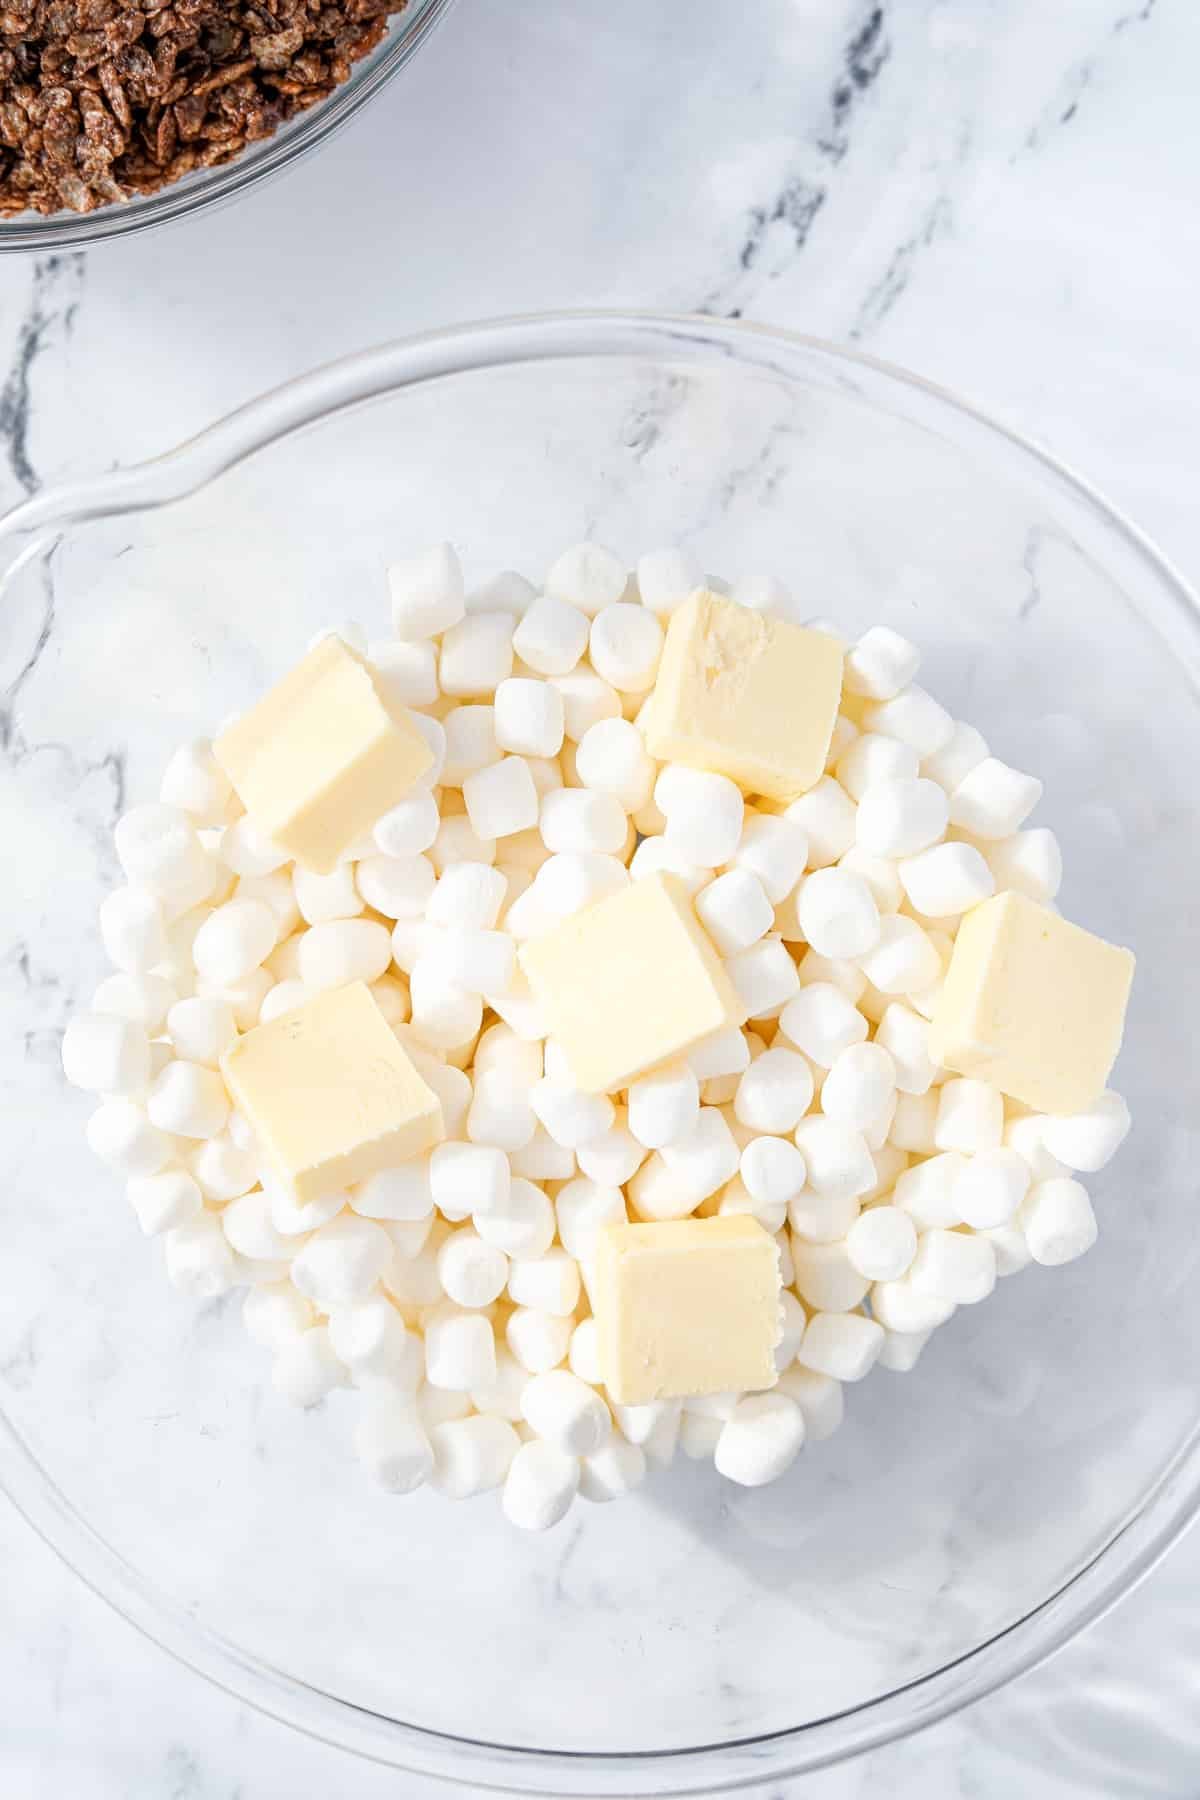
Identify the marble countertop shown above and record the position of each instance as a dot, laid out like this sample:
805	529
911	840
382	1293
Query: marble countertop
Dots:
996	193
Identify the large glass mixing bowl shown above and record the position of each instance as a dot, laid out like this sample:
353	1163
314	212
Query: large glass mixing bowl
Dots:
967	1519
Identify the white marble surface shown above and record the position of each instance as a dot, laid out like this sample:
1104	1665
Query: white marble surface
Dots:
997	193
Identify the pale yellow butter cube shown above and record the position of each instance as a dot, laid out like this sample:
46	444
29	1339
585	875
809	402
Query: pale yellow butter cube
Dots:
1033	1004
322	755
746	696
688	1307
629	982
329	1093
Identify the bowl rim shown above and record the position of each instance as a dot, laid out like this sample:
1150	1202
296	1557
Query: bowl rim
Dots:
1137	1542
204	188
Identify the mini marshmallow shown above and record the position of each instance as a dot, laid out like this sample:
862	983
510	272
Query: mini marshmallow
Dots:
882	1243
501	800
163	1201
994	799
900	818
406	673
946	880
990	1187
1087	1140
500	1113
523	1225
1029	862
427	593
624	646
540	1486
963	751
970	1117
121	1135
842	736
664	1105
468	1179
201	1029
247	1224
470	743
775	850
476	654
654	856
443	1013
159	851
826	814
409	827
584	1353
322	897
837	913
954	1265
612	759
199	1260
819	1398
475	962
548	1283
552	636
539	1340
825	1277
870	758
404	1192
612	1472
665	578
1011	1247
898	1306
914	1119
928	1191
248	851
234	940
306	1368
188	1100
587	576
879	873
912	716
904	1034
859	1085
847	977
519	1010
413	1281
194	782
704	1159
722	1053
342	1261
1058	1222
501	1397
571	1117
472	1272
581	821
839	1163
467	895
822	1022
704	814
105	1055
905	959
244	998
344	950
573	879
391	1442
369	1336
437	1406
501	1052
638	1424
399	887
881	664
772	1170
566	1412
901	1350
472	1456
460	1350
222	1169
734	910
275	1314
586	701
775	1092
842	1344
583	1207
765	977
529	717
761	1440
143	1000
133	927
506	591
615	1158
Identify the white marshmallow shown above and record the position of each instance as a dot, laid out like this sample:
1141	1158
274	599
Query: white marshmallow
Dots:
819	1398
437	1406
470	743
901	1350
133	926
870	758
199	1260
475	962
735	910
898	1306
775	1092
914	717
552	636
625	645
954	1265
914	1119
970	1116
501	1397
399	887
837	913
615	1158
847	977
247	1224
905	959
529	717
244	998
825	1277
859	1085
322	897
500	1113
841	1344
665	578
765	977
639	1424
705	1158
434	733
614	1471
583	1207
506	591
822	1022
1011	1247
344	950
427	593
928	1191
467	895
664	1105
584	1353
655	856
406	673
106	1055
188	1100
1087	1140
1030	862
222	1169
879	873
413	1280
839	1163
994	799
539	1340
248	851
342	1261
519	1010
460	1350
723	1052
963	751
904	1034
121	1135
194	782
548	1283
704	814
881	1243
612	759
143	1000
201	1029
1058	1222
990	1187
581	821
369	1336
476	654
587	576
587	700
468	1179
472	1272
443	1013
946	880
826	815
501	799
275	1314
566	1412
163	1201
881	664
900	818
571	1117
472	1456
760	1441
772	1170
159	851
523	1226
306	1368
540	1486
404	1192
775	850
573	879
656	1193
501	1052
391	1442
409	827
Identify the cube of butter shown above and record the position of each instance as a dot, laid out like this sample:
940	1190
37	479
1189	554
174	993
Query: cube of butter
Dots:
688	1307
629	982
329	1093
746	696
1033	1004
322	755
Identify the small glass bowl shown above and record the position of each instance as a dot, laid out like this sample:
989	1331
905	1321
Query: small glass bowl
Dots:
194	193
965	1521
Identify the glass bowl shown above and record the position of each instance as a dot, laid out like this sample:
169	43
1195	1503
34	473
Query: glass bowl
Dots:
407	31
966	1520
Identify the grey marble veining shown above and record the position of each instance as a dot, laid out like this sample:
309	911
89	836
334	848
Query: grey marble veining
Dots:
997	193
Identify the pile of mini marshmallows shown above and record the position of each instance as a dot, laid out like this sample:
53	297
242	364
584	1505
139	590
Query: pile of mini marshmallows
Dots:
451	1293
